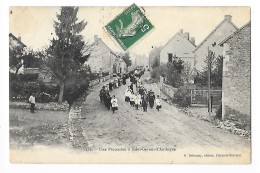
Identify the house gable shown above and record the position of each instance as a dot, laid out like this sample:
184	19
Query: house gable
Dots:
101	57
15	42
223	30
178	46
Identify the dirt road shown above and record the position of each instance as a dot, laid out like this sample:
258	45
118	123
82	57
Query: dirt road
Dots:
129	127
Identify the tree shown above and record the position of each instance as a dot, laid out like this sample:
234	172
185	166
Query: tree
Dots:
156	63
126	58
31	60
154	56
187	73
216	73
16	55
65	55
216	76
174	71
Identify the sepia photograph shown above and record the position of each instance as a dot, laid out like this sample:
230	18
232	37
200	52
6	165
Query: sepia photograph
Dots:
130	84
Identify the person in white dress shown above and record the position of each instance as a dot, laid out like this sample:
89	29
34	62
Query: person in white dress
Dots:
132	99
127	94
114	103
138	101
158	103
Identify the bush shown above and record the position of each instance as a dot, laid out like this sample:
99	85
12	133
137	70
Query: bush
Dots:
28	77
21	91
30	88
15	90
22	86
75	88
105	74
182	97
159	71
93	76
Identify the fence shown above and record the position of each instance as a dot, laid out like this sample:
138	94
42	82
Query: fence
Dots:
97	81
200	97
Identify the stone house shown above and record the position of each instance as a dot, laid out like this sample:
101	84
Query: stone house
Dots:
180	45
119	66
103	59
236	82
222	31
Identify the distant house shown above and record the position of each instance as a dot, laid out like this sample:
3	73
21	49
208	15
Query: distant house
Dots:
102	58
15	42
236	80
222	31
180	45
119	65
44	76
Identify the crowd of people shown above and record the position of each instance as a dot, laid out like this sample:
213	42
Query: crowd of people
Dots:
111	103
140	98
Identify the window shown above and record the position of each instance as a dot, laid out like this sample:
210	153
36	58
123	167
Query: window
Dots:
169	57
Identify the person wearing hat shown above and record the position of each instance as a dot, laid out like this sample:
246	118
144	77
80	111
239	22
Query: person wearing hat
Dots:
102	93
151	98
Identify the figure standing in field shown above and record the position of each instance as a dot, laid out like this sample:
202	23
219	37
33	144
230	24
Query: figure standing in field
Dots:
114	103
32	102
151	98
158	102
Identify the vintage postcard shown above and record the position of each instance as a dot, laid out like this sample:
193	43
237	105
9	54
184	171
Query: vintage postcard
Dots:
132	84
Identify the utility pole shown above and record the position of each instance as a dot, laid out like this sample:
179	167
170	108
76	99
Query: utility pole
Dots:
209	83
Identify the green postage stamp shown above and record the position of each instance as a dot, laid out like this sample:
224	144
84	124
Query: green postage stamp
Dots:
128	27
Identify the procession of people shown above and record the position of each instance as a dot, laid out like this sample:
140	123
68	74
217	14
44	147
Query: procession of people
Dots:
140	98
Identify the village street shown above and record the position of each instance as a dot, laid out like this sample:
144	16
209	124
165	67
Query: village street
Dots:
97	129
129	127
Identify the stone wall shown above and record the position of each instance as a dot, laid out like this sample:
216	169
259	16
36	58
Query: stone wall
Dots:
97	81
236	73
168	90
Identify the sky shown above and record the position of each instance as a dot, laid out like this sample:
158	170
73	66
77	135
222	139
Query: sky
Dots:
35	24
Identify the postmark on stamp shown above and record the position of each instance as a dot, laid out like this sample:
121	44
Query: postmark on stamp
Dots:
129	26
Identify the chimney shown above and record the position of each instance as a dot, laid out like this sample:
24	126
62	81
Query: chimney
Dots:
181	31
19	38
192	40
187	35
228	17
